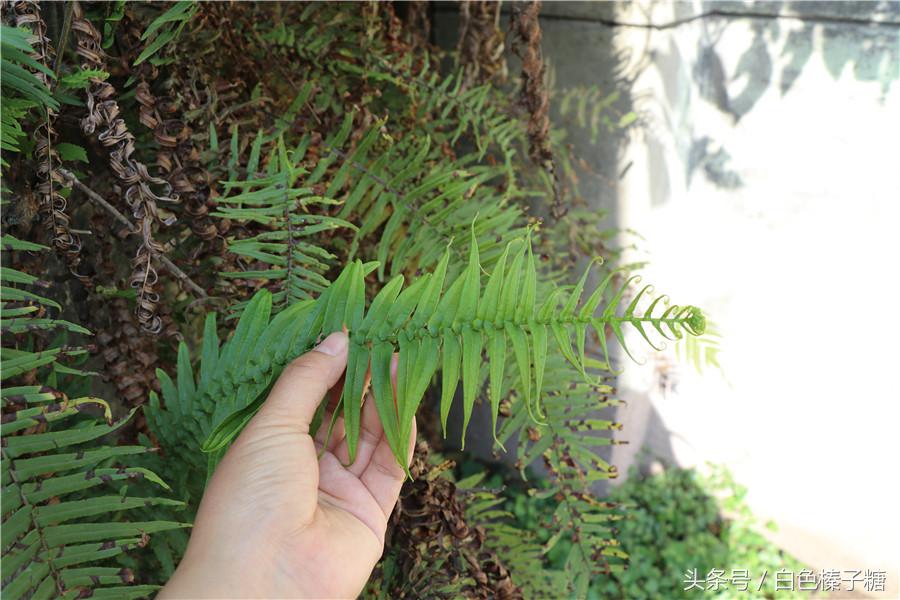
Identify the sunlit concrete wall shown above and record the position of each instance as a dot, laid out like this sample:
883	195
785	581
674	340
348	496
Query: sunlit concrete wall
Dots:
763	175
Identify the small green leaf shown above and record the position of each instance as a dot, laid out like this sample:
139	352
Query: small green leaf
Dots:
354	384
471	290
156	45
209	356
428	303
490	301
81	80
539	345
627	119
336	307
255	148
422	363
569	307
213	137
376	317
186	388
523	359
525	309
180	11
509	295
71	152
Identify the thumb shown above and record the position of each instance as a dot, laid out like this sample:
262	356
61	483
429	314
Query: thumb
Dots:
305	381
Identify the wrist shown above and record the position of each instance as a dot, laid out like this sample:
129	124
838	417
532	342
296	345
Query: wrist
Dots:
207	579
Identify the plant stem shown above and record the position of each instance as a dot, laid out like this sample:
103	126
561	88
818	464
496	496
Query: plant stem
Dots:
102	203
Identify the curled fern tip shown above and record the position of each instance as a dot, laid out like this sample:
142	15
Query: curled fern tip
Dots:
696	321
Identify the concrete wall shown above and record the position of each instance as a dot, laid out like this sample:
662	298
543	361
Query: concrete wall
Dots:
764	179
763	174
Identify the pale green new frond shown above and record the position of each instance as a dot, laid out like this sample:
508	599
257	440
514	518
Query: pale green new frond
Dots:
701	351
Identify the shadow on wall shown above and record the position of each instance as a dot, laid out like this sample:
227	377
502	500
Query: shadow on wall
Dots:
855	37
863	48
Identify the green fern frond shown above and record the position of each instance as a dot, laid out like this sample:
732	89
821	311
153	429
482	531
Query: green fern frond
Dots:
569	446
429	324
12	112
403	194
595	551
294	263
82	78
17	80
165	29
408	197
21	90
43	541
58	532
445	107
19	310
519	550
572	419
593	109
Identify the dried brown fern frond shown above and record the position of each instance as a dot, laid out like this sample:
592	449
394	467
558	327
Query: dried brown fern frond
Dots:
163	113
138	186
535	96
429	523
482	43
52	205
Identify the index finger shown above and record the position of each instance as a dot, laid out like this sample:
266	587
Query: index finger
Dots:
305	381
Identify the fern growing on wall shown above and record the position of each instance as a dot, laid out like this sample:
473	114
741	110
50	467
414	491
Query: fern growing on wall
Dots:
295	262
329	169
61	525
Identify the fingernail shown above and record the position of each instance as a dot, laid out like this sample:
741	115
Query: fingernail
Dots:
334	344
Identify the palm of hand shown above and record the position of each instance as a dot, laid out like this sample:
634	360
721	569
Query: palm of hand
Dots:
291	523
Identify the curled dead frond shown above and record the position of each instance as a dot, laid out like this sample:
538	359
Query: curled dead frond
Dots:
177	156
139	188
535	96
52	204
481	42
431	521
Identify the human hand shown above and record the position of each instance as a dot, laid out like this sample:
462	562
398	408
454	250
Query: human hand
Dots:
278	522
